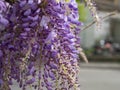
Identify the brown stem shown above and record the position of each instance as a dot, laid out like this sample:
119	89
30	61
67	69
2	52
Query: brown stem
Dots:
6	74
43	4
92	23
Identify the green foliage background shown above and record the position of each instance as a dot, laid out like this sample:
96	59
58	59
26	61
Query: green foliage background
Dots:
83	11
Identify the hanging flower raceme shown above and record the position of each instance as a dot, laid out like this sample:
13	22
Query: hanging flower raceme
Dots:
3	21
3	25
39	46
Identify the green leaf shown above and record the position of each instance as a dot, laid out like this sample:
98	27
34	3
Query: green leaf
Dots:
82	12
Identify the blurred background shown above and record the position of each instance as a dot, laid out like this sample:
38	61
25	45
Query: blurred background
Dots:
102	47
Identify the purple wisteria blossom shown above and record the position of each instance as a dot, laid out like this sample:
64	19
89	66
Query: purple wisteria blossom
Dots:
38	44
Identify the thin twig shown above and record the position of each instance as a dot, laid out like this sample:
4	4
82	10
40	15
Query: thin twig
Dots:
103	18
83	55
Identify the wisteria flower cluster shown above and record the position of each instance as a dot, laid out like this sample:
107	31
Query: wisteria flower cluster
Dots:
38	44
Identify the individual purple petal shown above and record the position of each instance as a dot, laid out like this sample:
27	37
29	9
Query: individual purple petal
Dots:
44	21
51	75
24	35
50	37
22	3
28	12
30	81
48	83
33	18
32	70
30	1
4	21
1	81
45	73
1	53
53	65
